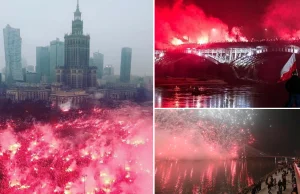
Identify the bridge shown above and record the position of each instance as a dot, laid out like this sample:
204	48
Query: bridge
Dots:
251	152
229	52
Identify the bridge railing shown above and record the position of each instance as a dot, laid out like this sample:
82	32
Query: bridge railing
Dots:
297	174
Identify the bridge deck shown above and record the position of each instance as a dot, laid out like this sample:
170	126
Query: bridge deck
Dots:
289	187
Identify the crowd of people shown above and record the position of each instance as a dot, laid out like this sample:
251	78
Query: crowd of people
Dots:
293	88
279	185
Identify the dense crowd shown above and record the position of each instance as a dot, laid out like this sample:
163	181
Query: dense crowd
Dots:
279	185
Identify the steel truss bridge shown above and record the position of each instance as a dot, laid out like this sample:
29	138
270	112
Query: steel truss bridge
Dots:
251	152
229	52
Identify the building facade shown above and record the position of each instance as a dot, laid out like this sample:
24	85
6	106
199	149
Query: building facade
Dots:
108	70
32	78
125	64
28	93
57	57
30	68
24	62
76	72
91	63
13	60
98	61
43	64
118	94
119	91
75	97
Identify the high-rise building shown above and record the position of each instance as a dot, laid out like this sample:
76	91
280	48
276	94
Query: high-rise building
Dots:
24	71
91	63
43	64
125	65
32	77
98	60
57	53
108	70
24	62
76	72
12	47
30	68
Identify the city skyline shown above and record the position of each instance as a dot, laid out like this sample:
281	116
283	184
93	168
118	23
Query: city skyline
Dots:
125	31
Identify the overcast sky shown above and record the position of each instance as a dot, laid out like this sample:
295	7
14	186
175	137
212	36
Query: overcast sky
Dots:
112	24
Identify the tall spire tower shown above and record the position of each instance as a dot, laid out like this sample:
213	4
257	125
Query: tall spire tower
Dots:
77	24
76	72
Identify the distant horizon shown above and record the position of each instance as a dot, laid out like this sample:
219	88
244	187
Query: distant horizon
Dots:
130	31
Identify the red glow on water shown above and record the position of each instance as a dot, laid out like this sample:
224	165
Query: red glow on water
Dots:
105	151
233	172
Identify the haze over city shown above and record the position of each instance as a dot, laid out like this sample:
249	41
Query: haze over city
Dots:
111	25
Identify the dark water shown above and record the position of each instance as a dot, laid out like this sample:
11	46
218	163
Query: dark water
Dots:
209	177
221	96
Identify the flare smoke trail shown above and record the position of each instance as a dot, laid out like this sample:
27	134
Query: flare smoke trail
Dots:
204	134
96	152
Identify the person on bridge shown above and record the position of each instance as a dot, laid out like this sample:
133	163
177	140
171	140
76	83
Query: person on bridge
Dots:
253	191
269	184
284	183
279	186
259	185
293	87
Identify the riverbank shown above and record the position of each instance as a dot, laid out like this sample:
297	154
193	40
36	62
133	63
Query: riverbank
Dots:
249	188
274	189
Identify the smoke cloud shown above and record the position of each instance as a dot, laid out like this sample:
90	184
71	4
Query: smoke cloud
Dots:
188	23
180	146
100	151
201	135
283	18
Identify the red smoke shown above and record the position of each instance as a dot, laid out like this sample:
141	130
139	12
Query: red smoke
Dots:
283	17
188	23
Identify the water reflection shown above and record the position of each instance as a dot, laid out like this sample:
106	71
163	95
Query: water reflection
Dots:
209	177
224	96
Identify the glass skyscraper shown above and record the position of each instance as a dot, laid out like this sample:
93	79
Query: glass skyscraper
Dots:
13	60
125	65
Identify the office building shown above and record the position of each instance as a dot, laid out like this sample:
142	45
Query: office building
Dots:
30	68
98	60
125	64
32	78
57	53
12	49
43	64
108	70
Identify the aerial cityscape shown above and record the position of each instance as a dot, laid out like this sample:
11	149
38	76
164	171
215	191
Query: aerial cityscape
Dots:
65	70
74	123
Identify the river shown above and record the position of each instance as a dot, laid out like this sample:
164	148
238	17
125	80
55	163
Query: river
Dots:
221	96
209	177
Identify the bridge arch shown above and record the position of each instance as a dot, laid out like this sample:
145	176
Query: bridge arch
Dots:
231	53
159	54
257	58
